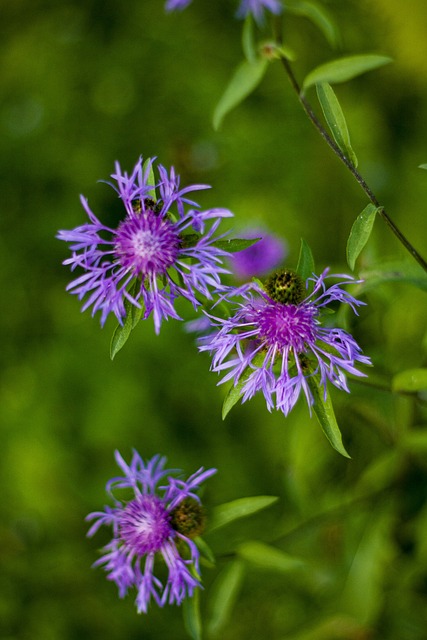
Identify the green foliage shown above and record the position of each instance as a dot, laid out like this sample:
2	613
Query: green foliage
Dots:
318	16
240	508
324	411
225	592
360	233
334	116
305	267
133	316
344	69
245	79
236	244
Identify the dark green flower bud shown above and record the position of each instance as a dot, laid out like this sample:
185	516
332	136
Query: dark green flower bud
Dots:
188	518
285	286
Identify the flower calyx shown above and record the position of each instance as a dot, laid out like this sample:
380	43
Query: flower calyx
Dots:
188	518
285	286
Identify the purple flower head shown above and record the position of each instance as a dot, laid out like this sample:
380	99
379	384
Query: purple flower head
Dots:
256	8
172	5
260	258
158	252
276	339
158	523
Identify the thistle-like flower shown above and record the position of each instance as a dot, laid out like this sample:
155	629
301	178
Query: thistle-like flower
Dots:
159	251
260	258
157	523
257	7
254	7
276	341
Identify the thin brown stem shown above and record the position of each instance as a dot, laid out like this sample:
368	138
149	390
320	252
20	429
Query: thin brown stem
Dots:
335	148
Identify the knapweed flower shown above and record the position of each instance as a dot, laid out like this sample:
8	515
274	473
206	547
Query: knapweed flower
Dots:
171	5
256	8
276	340
260	258
158	252
158	525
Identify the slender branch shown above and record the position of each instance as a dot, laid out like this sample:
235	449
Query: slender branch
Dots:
335	148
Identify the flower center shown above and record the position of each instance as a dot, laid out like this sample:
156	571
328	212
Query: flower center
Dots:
147	243
287	325
144	525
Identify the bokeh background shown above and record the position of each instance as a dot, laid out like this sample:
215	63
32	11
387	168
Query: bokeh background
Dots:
85	83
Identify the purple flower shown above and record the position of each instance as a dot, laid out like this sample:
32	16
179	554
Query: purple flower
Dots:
157	521
256	8
171	5
158	252
276	341
260	258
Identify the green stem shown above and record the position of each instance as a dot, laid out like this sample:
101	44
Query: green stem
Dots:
332	144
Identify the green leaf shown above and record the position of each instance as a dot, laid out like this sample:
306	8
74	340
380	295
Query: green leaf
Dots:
192	618
150	180
422	166
240	508
318	16
122	331
245	79
369	569
205	549
334	116
359	234
305	267
236	391
225	591
394	271
411	380
344	69
325	414
267	557
235	244
248	41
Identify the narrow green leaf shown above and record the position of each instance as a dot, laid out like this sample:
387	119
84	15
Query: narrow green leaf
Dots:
267	557
334	116
236	391
305	267
411	380
325	414
235	244
248	40
394	271
192	617
245	79
422	166
369	570
359	234
240	508
318	16
122	331
150	181
344	69
225	591
205	549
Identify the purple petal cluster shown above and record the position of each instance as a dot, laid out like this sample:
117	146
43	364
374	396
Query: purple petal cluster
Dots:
161	250
172	5
274	348
144	533
254	7
260	258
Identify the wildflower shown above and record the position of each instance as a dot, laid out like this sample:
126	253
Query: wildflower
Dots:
158	252
157	521
256	8
171	5
260	258
276	341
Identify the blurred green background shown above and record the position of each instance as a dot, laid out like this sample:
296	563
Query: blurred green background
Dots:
85	83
